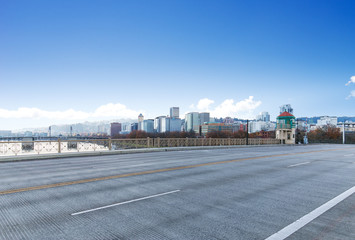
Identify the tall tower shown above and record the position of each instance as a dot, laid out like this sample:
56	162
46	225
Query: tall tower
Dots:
286	108
192	122
140	121
286	128
204	117
174	112
115	129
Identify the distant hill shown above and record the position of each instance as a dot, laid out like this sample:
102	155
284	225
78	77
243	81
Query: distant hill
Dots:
78	128
313	120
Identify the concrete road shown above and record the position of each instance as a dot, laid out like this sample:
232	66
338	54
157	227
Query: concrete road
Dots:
243	193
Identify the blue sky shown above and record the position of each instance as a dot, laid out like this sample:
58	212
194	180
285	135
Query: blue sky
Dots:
67	61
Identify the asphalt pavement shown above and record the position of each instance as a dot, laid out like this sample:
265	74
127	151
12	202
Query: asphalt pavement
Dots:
278	192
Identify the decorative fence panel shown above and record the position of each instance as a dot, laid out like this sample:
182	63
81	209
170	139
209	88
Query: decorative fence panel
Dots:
93	145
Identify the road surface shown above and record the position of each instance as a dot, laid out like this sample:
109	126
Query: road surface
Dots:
277	192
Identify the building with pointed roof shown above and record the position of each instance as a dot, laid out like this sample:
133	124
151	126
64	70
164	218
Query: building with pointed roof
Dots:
286	128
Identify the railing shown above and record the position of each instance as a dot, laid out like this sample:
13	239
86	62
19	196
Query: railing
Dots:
93	145
284	126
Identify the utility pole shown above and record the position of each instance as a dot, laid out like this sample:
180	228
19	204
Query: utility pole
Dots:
344	132
247	132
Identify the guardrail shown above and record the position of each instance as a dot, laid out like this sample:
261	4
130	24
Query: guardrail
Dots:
285	126
65	146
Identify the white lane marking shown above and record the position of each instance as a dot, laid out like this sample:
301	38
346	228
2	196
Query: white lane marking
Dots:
349	155
298	164
121	203
295	226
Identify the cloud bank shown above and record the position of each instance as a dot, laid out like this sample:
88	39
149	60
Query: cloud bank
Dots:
229	107
116	110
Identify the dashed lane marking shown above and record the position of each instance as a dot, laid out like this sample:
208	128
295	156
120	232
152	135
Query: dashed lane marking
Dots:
298	164
121	203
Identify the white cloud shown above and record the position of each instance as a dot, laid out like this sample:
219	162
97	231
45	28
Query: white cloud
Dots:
242	109
204	104
352	80
115	110
109	110
352	94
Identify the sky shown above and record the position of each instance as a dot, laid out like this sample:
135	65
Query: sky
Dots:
69	61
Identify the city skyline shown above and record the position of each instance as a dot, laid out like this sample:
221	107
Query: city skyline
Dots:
63	63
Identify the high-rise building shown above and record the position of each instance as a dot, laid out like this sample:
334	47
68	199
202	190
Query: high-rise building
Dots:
192	122
263	116
228	120
286	108
115	128
257	126
175	125
140	120
148	125
326	120
134	127
158	123
174	112
167	124
215	127
126	128
204	117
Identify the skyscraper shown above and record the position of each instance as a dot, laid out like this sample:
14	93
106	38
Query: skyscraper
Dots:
204	117
174	112
286	108
263	116
148	125
158	123
140	121
115	128
192	121
175	125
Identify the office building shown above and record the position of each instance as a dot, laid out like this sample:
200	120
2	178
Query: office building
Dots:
148	125
115	129
215	127
140	120
192	122
286	108
175	125
228	120
257	126
174	112
326	120
158	123
204	117
126	128
263	116
134	127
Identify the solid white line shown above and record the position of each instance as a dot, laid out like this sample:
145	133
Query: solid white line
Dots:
295	226
348	155
121	203
295	165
